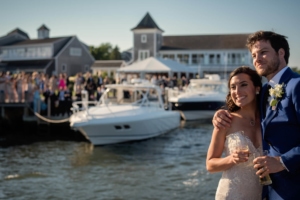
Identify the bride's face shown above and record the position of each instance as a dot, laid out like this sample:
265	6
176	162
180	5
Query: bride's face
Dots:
242	90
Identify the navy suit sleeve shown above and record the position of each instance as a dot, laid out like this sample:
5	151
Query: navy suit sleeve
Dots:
291	158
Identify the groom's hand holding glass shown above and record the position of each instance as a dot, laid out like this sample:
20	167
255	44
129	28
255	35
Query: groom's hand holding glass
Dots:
260	164
268	165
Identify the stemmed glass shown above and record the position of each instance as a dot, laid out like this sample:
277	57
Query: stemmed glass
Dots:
242	145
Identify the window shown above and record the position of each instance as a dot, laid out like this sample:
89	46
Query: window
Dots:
143	54
86	68
197	59
238	58
229	58
168	56
233	59
75	51
186	58
243	60
179	57
218	61
144	38
211	58
201	59
183	58
63	67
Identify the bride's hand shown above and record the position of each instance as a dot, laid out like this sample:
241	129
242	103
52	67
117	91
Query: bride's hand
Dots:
238	157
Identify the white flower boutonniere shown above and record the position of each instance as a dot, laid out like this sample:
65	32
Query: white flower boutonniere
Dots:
276	94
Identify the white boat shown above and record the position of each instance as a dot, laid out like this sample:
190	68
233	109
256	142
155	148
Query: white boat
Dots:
200	99
124	113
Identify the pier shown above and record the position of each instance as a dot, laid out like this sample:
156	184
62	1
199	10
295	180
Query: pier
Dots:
20	125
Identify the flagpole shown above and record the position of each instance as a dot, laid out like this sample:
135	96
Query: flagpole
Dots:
225	71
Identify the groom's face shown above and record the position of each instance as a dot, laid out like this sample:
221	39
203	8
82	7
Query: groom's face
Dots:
265	59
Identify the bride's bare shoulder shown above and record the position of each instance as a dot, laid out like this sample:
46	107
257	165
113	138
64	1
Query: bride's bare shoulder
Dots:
235	122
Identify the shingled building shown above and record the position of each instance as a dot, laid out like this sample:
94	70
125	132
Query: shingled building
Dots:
45	54
206	54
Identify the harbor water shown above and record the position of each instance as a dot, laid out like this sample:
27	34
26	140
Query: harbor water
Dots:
171	166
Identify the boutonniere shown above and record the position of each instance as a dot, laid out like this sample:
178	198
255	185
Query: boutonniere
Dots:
276	94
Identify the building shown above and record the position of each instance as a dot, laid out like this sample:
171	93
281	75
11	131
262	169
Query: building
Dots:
108	66
206	54
47	55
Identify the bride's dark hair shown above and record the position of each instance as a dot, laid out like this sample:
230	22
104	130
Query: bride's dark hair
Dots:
255	78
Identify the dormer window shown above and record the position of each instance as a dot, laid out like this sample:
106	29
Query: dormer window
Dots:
144	38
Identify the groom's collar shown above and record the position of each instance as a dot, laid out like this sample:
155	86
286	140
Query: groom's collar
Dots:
276	78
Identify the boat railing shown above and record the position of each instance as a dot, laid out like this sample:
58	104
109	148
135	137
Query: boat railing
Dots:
82	105
174	92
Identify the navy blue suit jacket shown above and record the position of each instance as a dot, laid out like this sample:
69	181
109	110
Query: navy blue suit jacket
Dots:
281	136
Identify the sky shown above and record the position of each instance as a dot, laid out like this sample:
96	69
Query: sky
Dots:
96	22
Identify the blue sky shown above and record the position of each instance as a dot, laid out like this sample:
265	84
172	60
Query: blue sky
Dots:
97	21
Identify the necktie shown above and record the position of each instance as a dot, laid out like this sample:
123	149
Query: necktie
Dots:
266	96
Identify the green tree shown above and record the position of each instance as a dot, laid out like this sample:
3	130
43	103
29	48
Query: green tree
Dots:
102	52
105	52
296	69
115	54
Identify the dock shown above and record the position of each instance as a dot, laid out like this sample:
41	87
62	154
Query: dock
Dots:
19	125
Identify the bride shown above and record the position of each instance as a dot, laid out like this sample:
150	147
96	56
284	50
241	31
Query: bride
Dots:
238	180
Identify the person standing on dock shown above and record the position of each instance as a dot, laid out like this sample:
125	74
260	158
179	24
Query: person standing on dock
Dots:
2	87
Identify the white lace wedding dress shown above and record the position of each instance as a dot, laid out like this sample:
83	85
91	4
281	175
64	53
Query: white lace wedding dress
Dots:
240	181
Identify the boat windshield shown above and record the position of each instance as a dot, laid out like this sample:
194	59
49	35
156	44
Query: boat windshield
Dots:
130	96
207	87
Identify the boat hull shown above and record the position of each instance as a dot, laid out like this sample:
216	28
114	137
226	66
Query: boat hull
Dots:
130	128
197	110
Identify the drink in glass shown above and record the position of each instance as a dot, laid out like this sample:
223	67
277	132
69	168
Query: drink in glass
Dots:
266	180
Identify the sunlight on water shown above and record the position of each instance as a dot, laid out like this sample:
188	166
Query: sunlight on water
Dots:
171	166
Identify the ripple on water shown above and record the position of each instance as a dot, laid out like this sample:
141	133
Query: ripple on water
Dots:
171	166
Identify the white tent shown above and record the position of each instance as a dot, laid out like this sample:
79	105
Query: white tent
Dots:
156	65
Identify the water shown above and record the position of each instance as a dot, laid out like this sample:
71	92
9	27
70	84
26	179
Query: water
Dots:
171	166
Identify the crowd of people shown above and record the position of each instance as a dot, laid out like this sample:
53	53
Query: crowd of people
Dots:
60	91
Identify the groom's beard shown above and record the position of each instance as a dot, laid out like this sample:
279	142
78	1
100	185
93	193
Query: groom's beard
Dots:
272	67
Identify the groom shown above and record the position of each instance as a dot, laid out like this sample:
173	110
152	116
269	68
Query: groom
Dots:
280	122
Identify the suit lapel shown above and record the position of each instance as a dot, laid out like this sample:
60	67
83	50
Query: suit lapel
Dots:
286	76
270	114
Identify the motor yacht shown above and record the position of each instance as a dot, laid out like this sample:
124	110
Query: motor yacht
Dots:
125	112
200	99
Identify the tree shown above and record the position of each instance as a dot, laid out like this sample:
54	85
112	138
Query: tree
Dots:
115	54
296	69
105	52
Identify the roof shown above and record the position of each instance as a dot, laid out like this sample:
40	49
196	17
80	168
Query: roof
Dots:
41	41
225	41
19	31
155	65
44	27
147	23
108	63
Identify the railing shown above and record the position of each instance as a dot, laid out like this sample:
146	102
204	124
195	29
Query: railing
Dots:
84	105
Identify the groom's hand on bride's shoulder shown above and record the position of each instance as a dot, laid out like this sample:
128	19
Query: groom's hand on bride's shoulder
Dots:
222	119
